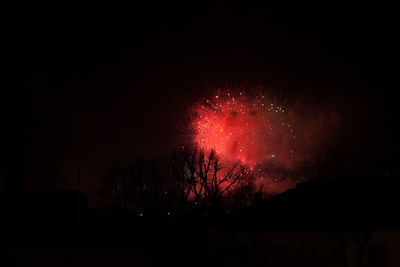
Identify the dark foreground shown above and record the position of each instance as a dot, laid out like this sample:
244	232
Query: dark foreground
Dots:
337	223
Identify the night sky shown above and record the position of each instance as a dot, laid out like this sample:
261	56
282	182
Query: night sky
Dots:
102	84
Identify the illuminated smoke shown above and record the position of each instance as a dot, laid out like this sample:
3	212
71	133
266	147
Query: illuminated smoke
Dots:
258	132
249	129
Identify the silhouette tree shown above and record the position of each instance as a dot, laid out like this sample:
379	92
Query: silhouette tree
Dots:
183	168
148	187
241	195
189	181
116	188
203	183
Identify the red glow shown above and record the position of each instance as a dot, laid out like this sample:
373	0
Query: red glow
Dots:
255	130
245	129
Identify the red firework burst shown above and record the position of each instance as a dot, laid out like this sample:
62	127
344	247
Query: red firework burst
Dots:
239	127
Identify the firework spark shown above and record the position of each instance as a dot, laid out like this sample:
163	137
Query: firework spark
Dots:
256	131
244	128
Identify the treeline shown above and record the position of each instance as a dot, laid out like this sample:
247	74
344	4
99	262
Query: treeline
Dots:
189	182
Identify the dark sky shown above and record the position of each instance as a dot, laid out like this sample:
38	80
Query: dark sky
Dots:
109	83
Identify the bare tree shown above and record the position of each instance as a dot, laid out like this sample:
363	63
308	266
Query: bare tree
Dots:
189	180
241	195
115	188
148	187
183	167
201	181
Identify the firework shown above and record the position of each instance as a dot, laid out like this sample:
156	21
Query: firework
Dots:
260	133
244	128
